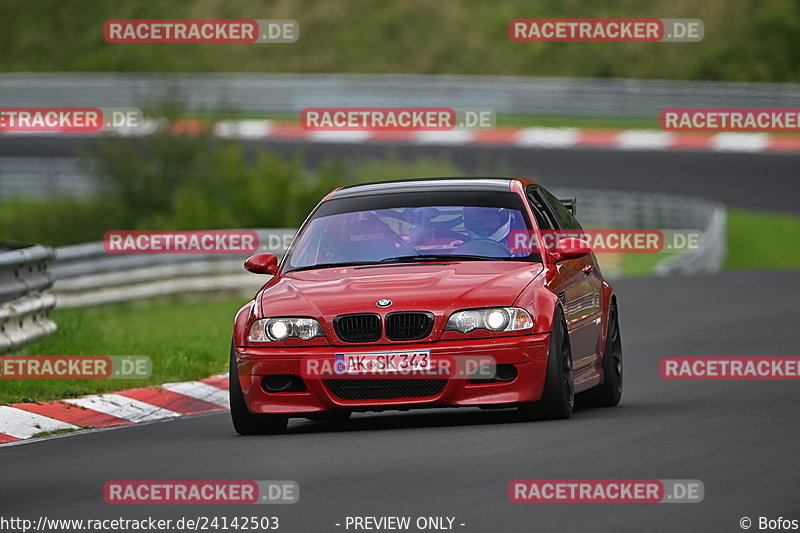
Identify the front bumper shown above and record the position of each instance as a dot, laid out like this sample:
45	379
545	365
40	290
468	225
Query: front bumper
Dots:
527	353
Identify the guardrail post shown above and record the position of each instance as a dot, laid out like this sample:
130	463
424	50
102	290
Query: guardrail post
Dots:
25	302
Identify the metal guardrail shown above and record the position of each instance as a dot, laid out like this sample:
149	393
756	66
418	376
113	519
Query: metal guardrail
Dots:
86	275
24	300
712	250
289	93
605	209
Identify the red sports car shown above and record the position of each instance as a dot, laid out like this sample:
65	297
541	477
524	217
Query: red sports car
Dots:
427	293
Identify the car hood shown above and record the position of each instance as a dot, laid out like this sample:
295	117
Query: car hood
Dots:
437	287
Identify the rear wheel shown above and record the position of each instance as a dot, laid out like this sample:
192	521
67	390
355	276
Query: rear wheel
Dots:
558	398
245	422
610	392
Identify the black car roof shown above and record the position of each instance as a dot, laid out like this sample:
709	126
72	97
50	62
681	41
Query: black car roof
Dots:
424	184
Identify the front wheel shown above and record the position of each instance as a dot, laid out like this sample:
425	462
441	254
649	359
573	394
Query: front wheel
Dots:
245	422
558	398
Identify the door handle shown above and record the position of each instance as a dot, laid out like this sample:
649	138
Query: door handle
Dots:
587	269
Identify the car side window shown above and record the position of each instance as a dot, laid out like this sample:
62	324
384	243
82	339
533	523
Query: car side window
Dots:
544	217
568	221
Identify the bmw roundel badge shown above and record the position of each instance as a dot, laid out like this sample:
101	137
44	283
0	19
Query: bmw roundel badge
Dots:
383	303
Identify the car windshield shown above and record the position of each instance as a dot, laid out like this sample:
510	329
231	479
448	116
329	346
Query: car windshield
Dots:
411	227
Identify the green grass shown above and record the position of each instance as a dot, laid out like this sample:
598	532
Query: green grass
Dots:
745	40
42	434
756	241
186	339
759	240
55	221
516	121
640	264
610	123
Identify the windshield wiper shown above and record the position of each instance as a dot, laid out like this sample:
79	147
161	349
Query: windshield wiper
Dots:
438	257
401	259
333	265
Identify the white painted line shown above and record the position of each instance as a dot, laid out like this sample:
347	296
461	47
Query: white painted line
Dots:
548	137
243	129
122	407
739	142
200	391
450	137
340	136
644	140
23	425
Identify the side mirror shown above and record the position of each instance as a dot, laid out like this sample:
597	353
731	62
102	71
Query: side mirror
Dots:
570	248
262	264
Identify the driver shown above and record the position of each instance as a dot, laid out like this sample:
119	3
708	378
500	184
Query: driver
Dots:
487	223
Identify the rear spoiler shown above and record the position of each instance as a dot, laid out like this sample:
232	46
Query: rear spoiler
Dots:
570	203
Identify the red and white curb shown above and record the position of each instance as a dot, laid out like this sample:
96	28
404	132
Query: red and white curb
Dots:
532	137
22	421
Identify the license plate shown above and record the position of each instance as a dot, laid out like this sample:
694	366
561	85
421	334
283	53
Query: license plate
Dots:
383	362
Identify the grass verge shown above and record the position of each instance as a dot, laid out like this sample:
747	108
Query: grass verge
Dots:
515	121
186	339
760	240
636	264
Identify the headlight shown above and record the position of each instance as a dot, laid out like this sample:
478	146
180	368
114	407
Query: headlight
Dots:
493	319
280	329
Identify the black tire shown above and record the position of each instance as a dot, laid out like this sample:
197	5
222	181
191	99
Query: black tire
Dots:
558	398
245	422
609	393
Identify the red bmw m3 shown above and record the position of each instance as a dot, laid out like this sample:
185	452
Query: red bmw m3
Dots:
427	293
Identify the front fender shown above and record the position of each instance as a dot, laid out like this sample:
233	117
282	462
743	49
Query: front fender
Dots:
539	298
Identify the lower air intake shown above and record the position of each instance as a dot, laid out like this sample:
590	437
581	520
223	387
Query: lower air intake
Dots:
384	389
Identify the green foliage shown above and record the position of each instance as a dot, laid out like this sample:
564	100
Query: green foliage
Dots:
745	40
180	182
56	222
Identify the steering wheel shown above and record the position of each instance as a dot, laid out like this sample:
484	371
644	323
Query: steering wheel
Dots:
410	250
485	247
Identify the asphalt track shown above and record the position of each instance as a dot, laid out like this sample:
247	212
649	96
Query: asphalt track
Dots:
748	180
739	438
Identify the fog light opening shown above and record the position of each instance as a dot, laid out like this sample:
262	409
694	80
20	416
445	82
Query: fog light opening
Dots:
502	374
278	383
